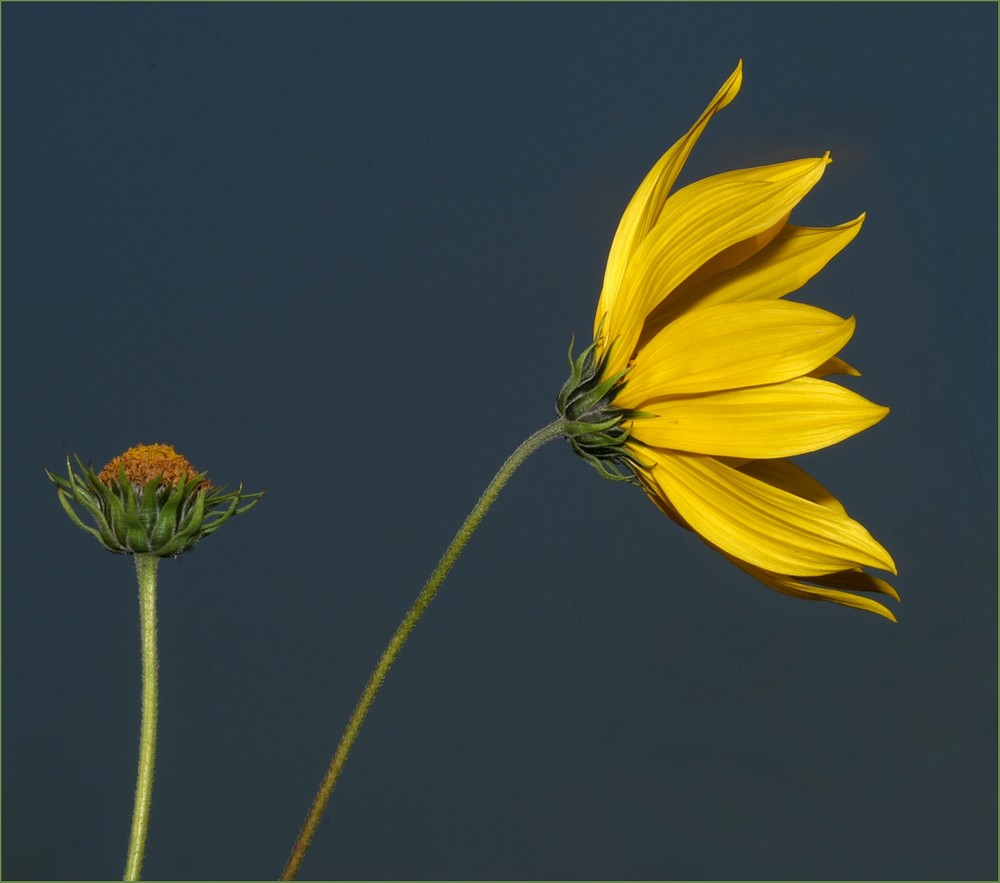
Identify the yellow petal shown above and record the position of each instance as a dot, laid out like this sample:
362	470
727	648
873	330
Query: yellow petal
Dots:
835	365
789	477
837	587
782	266
857	580
780	420
698	222
664	505
758	523
788	585
733	345
645	206
730	257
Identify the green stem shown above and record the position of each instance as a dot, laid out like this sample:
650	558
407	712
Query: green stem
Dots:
145	569
528	446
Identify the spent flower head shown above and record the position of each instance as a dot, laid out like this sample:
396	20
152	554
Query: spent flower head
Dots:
149	500
701	381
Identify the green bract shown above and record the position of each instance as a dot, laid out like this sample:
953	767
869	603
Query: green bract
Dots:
157	517
595	427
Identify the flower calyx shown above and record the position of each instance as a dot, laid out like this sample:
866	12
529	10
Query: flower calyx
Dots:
149	500
595	427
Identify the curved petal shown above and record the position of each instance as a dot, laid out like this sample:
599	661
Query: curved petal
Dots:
857	580
795	588
835	365
730	257
644	208
782	266
761	422
698	222
732	345
760	524
786	475
837	587
665	506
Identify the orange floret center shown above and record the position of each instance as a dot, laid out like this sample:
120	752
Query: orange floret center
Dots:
143	463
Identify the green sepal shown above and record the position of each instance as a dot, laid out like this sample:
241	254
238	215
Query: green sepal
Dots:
91	502
596	428
148	507
71	512
166	517
135	536
159	517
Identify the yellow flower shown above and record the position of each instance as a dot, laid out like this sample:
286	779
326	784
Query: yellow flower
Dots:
701	380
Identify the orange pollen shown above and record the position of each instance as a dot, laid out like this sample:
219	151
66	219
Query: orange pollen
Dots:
143	463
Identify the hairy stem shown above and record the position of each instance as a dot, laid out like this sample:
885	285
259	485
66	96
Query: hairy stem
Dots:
145	568
528	446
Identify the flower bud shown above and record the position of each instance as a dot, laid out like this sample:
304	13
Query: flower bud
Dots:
149	500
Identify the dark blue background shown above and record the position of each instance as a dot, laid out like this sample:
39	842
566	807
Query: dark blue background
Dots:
338	252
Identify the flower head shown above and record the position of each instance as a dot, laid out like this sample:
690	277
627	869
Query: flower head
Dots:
701	380
149	500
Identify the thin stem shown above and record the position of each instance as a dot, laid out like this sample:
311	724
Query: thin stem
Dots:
528	446
145	569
